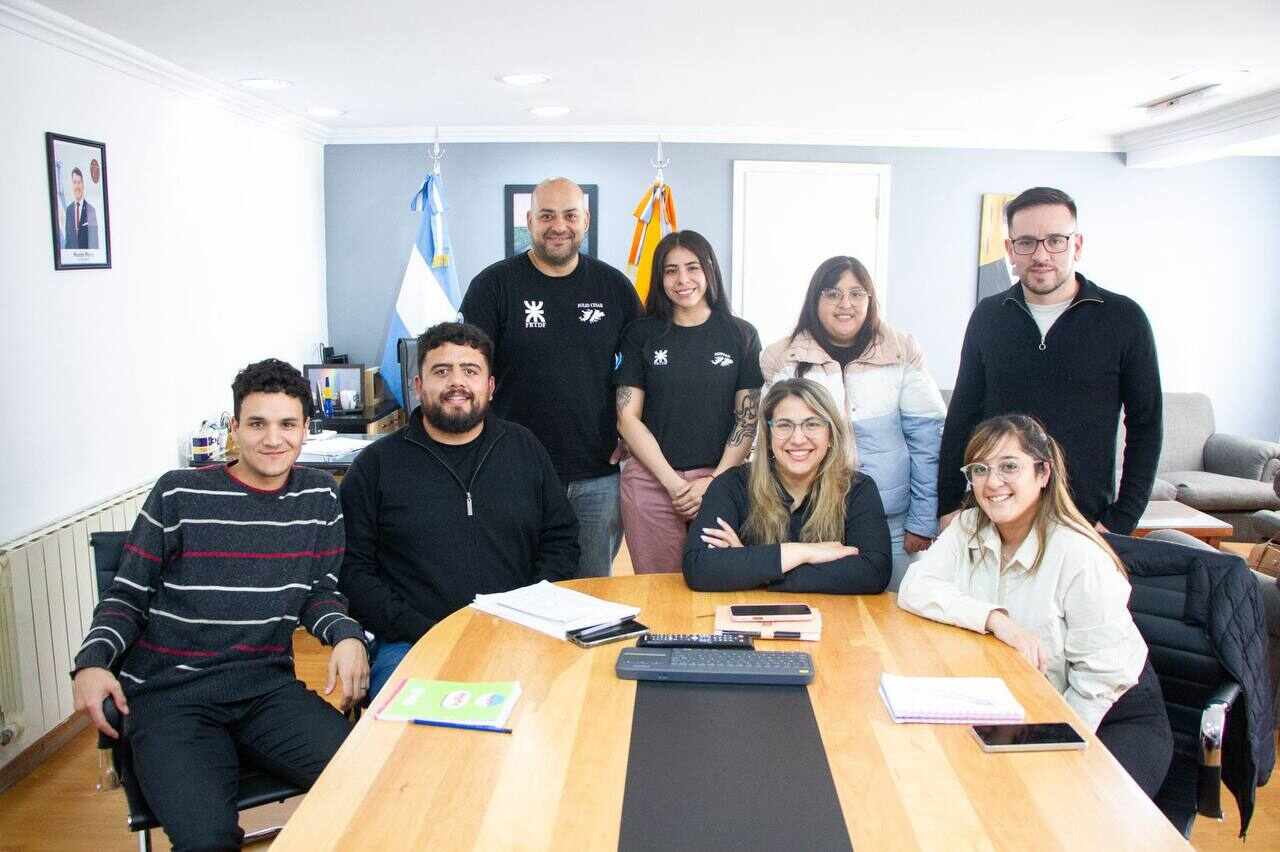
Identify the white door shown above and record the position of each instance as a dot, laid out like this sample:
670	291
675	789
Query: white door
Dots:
788	217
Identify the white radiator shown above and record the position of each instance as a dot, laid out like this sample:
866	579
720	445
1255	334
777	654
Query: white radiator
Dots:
47	596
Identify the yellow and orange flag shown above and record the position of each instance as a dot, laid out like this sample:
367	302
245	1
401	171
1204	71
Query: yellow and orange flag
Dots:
656	209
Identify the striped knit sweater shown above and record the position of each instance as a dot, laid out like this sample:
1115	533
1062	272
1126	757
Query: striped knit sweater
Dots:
214	578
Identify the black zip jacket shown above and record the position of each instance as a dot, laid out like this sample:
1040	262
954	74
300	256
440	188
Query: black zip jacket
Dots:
1098	356
421	543
720	569
1219	595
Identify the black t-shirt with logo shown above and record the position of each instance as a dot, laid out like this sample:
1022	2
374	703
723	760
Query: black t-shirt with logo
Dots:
689	375
556	341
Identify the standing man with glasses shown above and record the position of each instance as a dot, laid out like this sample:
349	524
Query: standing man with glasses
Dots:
1060	348
556	317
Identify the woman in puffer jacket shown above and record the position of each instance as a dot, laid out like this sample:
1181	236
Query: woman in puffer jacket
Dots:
878	378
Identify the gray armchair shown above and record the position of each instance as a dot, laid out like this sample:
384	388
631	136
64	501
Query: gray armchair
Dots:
1227	476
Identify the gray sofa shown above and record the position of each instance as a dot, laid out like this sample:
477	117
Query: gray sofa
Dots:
1227	476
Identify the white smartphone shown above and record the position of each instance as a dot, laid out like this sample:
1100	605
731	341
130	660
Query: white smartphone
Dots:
1046	736
770	612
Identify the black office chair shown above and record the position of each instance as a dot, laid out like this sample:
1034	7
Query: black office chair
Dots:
257	787
1169	603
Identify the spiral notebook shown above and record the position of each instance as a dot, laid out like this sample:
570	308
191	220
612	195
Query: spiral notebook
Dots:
949	700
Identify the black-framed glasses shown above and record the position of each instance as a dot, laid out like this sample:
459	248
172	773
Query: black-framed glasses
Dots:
1006	469
812	427
1054	243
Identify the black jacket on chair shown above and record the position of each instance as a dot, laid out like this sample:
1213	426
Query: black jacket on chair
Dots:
1222	600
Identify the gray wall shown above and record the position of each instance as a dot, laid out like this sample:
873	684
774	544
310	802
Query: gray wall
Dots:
1197	246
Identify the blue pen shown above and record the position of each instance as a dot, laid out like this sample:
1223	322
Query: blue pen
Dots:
462	726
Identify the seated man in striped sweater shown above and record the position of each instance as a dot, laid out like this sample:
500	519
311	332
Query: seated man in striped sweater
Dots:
223	563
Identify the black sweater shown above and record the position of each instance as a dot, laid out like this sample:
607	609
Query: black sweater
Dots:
713	569
1099	355
422	544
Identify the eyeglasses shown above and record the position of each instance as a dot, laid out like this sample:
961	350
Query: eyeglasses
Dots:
812	427
1054	243
1007	470
835	295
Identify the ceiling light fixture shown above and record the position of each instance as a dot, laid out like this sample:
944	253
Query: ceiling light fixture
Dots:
266	84
324	112
550	111
525	79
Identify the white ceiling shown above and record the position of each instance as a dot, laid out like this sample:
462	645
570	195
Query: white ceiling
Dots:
983	73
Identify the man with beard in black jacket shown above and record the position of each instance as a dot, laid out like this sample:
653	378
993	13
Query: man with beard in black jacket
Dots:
456	503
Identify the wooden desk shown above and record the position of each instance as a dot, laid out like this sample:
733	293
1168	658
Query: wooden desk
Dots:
1172	515
557	782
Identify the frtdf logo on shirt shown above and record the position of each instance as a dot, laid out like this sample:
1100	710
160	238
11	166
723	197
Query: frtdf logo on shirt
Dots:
534	316
659	357
722	359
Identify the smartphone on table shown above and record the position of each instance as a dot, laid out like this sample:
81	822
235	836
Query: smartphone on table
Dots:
770	612
1044	736
589	637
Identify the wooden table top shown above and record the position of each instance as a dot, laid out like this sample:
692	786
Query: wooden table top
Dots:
1170	514
557	782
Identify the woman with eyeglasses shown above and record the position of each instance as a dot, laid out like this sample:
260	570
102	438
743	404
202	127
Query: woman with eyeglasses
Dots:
798	517
687	387
1022	563
878	379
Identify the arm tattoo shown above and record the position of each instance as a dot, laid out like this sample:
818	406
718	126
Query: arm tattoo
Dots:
623	396
744	427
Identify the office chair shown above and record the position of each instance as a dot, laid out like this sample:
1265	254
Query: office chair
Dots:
1168	602
257	787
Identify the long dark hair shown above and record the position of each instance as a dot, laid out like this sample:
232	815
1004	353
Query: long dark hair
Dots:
658	304
824	278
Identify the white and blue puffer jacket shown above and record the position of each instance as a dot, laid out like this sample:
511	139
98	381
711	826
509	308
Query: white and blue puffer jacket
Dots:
896	412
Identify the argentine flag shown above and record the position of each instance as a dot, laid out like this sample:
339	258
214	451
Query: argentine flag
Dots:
429	291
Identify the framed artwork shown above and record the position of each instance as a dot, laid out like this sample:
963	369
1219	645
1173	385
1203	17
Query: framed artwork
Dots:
516	198
995	275
79	210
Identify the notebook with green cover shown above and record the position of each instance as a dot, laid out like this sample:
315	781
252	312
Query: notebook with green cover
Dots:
456	704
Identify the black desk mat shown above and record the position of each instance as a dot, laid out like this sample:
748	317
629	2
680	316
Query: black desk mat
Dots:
728	766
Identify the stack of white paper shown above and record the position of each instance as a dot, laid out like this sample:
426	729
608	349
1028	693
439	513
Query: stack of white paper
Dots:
331	448
553	610
956	700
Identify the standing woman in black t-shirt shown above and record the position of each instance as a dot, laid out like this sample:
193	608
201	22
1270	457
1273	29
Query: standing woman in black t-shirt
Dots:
688	385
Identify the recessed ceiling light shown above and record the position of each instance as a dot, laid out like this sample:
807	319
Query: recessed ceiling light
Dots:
324	112
265	83
525	79
550	111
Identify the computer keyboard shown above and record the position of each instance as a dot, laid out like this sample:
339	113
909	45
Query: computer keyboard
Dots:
703	665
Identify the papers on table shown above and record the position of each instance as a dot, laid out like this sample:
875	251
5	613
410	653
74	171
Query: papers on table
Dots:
552	609
330	449
954	700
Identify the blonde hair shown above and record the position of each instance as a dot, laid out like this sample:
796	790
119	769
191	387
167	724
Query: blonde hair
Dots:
1055	505
769	517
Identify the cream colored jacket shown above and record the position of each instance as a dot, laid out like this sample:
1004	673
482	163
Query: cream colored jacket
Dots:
1076	602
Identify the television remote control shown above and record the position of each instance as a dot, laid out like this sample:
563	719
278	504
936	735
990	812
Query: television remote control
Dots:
729	641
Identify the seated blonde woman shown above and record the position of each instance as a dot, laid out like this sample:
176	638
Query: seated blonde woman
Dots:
798	517
1023	564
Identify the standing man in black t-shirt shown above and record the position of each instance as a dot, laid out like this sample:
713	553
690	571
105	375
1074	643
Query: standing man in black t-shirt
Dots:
556	317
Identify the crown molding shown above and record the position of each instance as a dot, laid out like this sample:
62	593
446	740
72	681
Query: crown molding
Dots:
58	30
1204	136
761	135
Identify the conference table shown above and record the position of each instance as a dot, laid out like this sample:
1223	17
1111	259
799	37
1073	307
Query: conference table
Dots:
557	781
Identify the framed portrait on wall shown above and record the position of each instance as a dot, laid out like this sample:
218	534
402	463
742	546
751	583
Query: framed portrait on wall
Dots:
516	199
79	210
